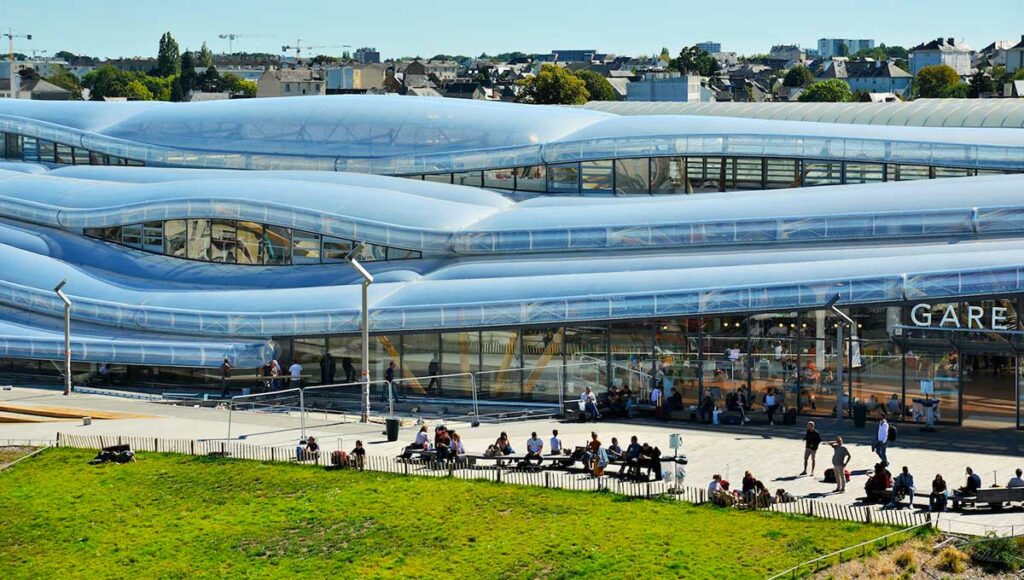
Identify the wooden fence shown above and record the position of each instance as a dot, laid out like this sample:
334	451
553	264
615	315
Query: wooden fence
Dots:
546	479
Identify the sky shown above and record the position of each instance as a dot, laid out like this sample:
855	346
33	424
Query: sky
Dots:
108	28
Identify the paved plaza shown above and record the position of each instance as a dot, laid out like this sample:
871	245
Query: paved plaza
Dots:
773	454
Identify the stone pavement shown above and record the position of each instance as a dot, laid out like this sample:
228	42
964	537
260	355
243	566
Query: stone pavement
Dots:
773	454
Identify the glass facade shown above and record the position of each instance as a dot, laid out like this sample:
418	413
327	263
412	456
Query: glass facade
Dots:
675	175
43	151
242	242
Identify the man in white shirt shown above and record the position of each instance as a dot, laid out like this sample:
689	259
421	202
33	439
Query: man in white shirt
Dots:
1016	481
296	373
588	402
881	440
534	448
716	485
556	443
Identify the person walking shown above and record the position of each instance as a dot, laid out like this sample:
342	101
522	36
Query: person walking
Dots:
225	372
881	439
812	439
840	459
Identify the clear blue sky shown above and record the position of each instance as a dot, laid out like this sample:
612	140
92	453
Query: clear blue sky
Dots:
406	28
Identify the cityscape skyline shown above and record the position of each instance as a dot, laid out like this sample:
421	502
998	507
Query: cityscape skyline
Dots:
262	28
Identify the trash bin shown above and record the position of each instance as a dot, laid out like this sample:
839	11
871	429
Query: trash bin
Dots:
392	427
860	415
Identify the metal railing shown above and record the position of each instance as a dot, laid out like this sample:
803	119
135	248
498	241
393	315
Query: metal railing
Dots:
858	550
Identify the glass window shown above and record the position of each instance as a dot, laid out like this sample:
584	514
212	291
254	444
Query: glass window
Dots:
152	236
112	160
309	352
81	156
460	353
911	172
421	358
198	239
470	178
97	158
865	172
500	377
13	146
174	238
542	359
632	175
564	178
223	241
402	254
822	173
596	176
249	247
372	253
277	243
500	178
335	249
29	149
530	178
586	354
782	173
134	163
132	236
305	248
65	154
743	174
951	172
438	177
668	175
632	346
111	234
46	150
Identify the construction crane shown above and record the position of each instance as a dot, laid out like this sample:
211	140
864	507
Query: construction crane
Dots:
232	36
10	34
298	47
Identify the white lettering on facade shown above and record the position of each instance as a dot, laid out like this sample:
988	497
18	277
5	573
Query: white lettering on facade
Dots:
950	317
920	310
922	315
999	318
974	314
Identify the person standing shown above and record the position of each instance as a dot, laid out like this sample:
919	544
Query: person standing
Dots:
840	459
770	404
556	443
433	369
812	439
881	440
225	372
275	372
295	371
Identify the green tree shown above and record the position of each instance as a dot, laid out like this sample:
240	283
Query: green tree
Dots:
932	81
237	86
160	87
693	60
843	50
980	84
205	57
65	55
665	56
553	85
65	80
136	90
828	91
188	80
1018	76
106	81
959	90
798	76
168	58
598	86
210	80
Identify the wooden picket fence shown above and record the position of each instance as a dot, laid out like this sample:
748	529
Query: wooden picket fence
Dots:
545	478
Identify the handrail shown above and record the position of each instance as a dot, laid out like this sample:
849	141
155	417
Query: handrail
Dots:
848	548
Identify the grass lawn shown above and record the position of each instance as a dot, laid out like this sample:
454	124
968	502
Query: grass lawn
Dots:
181	516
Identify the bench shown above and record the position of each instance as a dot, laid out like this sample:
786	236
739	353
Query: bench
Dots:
995	497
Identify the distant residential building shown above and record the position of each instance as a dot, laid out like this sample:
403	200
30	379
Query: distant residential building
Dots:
290	83
35	89
941	51
465	90
369	76
132	64
673	87
249	73
339	78
726	59
785	55
868	76
830	47
367	55
1015	56
44	67
992	55
444	70
1014	89
710	47
574	55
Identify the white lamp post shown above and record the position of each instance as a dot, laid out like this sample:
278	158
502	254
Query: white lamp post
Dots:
365	327
67	334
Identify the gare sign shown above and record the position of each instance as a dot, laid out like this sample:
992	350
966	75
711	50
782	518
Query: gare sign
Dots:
922	315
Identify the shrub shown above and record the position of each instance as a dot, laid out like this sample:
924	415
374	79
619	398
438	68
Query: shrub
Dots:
998	554
906	560
952	560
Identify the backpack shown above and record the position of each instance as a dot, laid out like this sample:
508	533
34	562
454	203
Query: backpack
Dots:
892	433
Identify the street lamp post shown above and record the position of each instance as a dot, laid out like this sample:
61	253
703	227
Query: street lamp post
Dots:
365	327
844	320
67	334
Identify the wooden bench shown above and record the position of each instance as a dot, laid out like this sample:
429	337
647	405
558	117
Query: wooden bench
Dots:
995	497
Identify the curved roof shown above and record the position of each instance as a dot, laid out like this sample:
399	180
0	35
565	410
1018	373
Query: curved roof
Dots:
401	136
992	113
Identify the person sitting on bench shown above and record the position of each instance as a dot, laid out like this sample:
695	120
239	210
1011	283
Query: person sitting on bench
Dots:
503	444
534	449
588	404
614	451
632	455
458	450
973	484
878	485
902	485
590	455
312	448
650	457
443	443
421	444
939	496
675	400
1015	481
707	409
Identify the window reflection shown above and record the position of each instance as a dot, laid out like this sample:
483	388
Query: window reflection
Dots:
276	242
198	239
224	241
305	248
174	238
250	237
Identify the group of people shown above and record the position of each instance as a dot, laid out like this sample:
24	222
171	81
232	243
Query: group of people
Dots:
594	455
752	492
